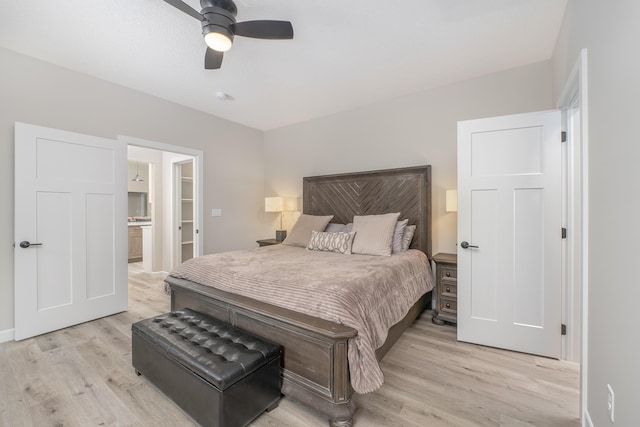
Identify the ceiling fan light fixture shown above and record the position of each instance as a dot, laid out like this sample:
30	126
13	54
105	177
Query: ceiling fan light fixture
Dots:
219	27
218	41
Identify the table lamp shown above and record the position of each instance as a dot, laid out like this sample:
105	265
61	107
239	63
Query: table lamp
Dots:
280	204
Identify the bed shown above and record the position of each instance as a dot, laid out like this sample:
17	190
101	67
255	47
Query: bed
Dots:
315	350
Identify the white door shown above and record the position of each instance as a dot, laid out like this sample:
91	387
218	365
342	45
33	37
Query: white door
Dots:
509	232
70	229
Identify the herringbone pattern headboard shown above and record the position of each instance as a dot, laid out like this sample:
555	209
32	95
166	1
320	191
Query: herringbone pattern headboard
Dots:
405	190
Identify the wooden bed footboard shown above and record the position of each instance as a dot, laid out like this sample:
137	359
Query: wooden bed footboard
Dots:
315	365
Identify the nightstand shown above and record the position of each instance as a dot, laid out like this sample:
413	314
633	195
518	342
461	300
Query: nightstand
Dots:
267	242
446	289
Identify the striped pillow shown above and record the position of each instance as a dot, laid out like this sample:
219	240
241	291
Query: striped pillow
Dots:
409	230
374	233
396	243
332	242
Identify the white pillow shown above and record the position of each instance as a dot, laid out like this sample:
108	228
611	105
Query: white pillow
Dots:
374	234
398	233
301	230
333	242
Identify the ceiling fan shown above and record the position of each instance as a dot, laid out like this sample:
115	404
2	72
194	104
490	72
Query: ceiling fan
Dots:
219	26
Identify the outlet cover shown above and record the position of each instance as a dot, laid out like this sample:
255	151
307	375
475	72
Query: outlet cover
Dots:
610	402
216	212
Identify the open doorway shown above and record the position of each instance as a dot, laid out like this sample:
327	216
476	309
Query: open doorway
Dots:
163	197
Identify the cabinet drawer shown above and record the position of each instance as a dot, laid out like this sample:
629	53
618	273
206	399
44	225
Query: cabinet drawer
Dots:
448	305
449	289
448	273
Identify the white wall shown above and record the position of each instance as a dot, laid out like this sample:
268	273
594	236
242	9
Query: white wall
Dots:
610	32
39	93
408	131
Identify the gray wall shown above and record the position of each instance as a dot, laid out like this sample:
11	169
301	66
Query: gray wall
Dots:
407	131
610	32
39	93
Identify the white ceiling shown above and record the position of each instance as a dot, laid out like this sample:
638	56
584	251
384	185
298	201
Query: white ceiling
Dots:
344	54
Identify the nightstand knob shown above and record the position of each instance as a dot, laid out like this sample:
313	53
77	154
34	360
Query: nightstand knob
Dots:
448	305
448	274
448	289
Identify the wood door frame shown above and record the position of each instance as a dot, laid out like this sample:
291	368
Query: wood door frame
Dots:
198	156
575	97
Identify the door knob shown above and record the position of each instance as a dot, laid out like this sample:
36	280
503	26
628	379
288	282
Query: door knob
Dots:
25	244
466	245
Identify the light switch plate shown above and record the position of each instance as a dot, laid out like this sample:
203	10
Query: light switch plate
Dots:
216	212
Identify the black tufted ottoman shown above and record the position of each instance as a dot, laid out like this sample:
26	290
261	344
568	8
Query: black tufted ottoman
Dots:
221	376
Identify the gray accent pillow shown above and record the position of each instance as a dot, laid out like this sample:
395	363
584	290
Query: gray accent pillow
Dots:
333	242
335	228
398	233
301	231
409	231
374	234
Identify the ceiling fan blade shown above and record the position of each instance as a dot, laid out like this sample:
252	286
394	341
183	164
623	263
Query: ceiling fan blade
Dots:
212	59
274	30
186	9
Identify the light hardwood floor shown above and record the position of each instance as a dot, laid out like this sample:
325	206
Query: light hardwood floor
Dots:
82	376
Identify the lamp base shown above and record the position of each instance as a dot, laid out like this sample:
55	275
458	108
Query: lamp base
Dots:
281	235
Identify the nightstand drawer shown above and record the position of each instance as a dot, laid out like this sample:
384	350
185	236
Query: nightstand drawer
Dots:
449	289
448	305
449	273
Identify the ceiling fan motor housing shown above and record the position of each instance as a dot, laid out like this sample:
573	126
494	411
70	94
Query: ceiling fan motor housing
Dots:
220	16
227	5
219	21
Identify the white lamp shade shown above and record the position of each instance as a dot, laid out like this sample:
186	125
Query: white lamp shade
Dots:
273	204
280	204
451	201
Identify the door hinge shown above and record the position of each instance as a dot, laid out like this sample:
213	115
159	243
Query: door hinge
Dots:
563	329
563	136
564	233
197	231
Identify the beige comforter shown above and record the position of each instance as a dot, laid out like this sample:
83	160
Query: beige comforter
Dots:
367	293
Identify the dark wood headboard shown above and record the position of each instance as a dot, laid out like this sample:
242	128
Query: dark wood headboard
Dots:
405	190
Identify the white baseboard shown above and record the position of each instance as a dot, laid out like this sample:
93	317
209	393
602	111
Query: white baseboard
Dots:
160	274
587	419
8	335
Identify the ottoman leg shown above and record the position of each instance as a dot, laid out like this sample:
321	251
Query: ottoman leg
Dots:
274	406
